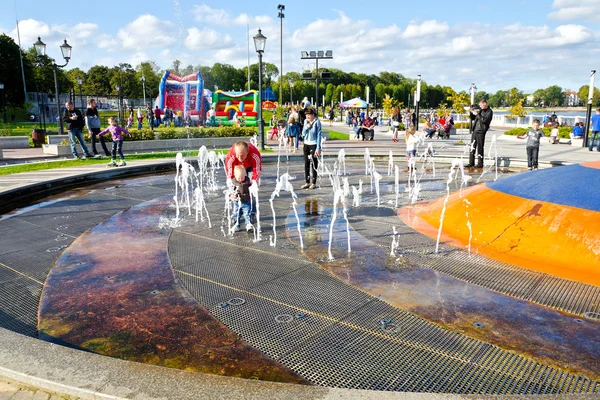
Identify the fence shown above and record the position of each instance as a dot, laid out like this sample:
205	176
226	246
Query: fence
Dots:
503	121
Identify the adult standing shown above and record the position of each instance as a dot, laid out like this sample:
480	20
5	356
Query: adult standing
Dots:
246	154
595	130
156	116
312	147
293	131
92	120
150	117
211	116
74	120
482	118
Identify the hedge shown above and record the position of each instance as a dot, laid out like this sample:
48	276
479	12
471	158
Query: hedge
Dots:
182	133
564	132
225	131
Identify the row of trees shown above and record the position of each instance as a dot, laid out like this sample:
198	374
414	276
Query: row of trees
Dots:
102	80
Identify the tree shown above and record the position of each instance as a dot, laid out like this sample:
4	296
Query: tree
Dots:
10	71
584	92
98	81
329	93
482	95
336	93
175	67
356	91
517	110
498	99
554	96
515	96
539	97
227	77
43	74
461	102
388	104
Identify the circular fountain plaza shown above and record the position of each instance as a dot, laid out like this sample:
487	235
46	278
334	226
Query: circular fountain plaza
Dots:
345	286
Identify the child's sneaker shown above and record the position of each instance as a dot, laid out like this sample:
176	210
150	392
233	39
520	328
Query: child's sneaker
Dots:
112	163
236	228
249	227
122	163
97	156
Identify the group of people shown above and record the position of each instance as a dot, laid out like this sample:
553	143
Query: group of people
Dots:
75	122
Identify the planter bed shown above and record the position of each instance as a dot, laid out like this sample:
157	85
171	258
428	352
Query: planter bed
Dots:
147	146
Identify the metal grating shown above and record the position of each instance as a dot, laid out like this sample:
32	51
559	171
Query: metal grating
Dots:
558	293
340	339
19	303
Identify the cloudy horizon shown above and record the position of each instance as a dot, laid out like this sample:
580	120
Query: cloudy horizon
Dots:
518	43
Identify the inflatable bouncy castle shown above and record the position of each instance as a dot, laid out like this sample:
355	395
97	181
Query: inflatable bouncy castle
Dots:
227	104
185	94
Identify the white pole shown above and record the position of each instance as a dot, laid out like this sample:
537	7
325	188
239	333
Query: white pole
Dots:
367	95
341	97
592	82
418	96
248	40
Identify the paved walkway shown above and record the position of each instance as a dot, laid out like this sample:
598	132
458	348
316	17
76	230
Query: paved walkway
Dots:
14	391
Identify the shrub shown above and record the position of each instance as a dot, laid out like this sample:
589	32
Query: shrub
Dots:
462	125
226	131
564	132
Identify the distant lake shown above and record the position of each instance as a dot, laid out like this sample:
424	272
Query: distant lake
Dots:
542	113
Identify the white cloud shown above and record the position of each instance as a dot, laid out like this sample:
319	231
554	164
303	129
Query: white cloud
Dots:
205	39
84	30
147	31
204	13
426	28
575	10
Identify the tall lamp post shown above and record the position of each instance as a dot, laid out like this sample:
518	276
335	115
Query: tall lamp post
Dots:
316	55
65	49
260	41
144	87
79	82
281	16
588	115
418	100
3	100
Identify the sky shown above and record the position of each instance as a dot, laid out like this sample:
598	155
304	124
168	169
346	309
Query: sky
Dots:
528	44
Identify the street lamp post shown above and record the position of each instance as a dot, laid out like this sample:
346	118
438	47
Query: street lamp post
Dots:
291	82
144	86
588	115
260	41
281	16
418	100
3	100
65	49
119	103
79	82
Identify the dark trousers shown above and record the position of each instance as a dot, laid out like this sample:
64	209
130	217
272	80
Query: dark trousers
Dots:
364	131
310	162
477	149
532	156
595	134
95	132
117	147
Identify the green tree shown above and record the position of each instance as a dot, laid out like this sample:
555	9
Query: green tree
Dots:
498	99
515	96
175	67
329	93
461	102
482	95
584	92
336	93
227	77
10	71
43	74
539	97
554	96
357	91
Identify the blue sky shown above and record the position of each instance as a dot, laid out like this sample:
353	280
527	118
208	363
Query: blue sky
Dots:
500	44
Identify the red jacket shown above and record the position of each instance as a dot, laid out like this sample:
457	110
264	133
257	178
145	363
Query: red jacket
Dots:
253	160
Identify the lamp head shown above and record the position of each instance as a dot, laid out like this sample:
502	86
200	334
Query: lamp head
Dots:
65	49
260	41
40	47
79	81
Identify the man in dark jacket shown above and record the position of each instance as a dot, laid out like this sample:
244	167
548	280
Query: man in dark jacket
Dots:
482	118
74	120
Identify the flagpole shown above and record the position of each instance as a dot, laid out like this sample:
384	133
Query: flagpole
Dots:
248	40
21	53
